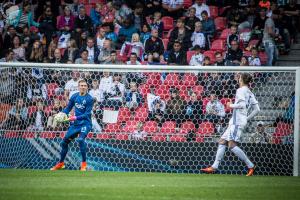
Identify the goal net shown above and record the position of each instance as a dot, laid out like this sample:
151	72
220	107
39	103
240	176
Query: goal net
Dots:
147	118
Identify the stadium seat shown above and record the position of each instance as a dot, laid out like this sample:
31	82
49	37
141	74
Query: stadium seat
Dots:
189	79
214	12
183	92
103	136
263	58
150	127
121	136
224	101
28	135
154	79
48	135
88	8
112	128
168	127
218	45
172	79
206	129
168	23
220	23
199	139
189	55
205	102
225	34
124	114
141	114
186	127
90	135
211	55
96	1
51	87
144	90
247	53
162	91
83	1
165	42
12	134
198	89
177	138
4	108
187	3
159	138
130	126
283	129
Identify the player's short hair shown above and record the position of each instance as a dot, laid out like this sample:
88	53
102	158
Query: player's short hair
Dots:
246	78
82	81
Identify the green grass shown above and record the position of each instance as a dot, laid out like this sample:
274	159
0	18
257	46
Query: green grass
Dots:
64	185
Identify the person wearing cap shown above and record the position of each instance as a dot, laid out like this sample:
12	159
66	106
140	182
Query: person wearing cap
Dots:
197	58
260	136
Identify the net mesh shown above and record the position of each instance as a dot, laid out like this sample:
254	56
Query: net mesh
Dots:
145	121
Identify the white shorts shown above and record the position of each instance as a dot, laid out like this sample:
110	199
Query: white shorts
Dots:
233	132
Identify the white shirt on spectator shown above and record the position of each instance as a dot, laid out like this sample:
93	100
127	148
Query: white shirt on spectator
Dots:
254	61
197	59
100	42
72	87
215	106
91	53
95	94
200	9
172	3
105	86
198	39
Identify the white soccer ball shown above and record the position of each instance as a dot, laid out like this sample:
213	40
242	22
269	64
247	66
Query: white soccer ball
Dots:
60	117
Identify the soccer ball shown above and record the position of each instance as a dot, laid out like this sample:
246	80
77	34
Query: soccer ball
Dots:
60	117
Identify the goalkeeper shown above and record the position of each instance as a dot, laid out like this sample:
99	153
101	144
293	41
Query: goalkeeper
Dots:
81	123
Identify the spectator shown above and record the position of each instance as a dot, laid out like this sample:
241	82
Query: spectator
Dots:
126	31
51	48
108	13
66	21
100	37
95	91
157	24
215	110
135	46
206	61
254	60
47	24
96	15
261	136
198	37
145	33
93	51
234	54
74	6
259	21
36	53
105	85
123	12
137	76
84	59
72	52
238	17
55	109
138	16
110	34
2	23
191	19
71	86
194	111
104	55
177	56
292	12
38	119
157	110
244	61
173	8
234	35
133	98
208	26
19	51
219	59
36	92
152	6
113	59
133	60
17	117
8	37
201	6
176	107
197	58
182	34
24	18
268	40
83	22
96	127
9	56
57	57
139	133
154	45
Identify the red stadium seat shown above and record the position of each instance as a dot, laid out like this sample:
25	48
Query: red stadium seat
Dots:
178	138
124	114
263	58
283	129
83	1
150	127
159	138
205	102
189	79
88	8
103	136
96	1
130	126
187	3
162	91
144	90
12	134
225	34
165	42
51	87
121	136
206	129
189	55
224	101
28	135
49	135
200	139
247	53
168	127
211	55
168	23
198	89
220	23
218	45
186	127
141	114
172	79
154	79
112	128
214	12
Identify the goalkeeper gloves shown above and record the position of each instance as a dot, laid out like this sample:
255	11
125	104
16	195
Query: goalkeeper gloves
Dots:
70	119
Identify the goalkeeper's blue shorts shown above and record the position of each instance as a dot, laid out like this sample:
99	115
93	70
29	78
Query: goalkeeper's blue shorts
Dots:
81	130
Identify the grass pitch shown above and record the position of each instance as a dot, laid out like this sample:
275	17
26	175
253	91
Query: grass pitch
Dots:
65	185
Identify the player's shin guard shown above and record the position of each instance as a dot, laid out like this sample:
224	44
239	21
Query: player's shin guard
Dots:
64	149
240	153
82	146
219	156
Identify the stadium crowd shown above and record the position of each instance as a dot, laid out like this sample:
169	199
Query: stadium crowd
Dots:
150	32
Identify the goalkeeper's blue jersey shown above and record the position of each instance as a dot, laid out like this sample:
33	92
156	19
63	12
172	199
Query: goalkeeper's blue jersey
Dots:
83	108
